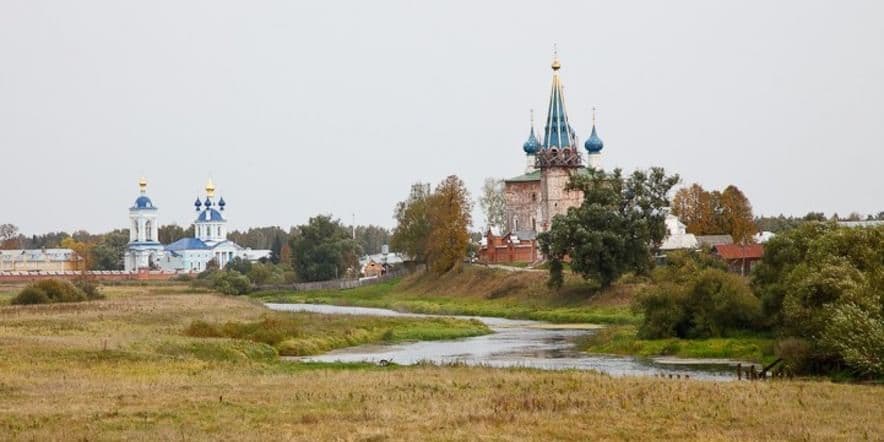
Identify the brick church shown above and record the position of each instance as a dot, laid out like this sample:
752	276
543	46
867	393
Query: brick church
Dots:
538	195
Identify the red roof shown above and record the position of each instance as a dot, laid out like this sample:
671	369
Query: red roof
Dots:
735	251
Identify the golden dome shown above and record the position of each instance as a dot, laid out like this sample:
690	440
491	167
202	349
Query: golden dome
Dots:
210	189
142	184
555	64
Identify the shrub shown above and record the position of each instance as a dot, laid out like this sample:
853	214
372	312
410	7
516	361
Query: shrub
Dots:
691	300
54	290
29	296
90	288
232	283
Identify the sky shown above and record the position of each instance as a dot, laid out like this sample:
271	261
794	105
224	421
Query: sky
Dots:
303	108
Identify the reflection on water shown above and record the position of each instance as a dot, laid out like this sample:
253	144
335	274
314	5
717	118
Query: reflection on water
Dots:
514	343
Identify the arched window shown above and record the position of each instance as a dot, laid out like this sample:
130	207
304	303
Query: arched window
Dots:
148	231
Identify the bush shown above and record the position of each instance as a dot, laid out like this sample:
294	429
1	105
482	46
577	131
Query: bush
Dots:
232	283
50	291
691	300
30	296
90	288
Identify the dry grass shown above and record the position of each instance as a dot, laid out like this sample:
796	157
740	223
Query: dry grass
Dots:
58	383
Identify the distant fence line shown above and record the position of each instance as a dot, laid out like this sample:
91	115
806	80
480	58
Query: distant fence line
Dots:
335	284
101	275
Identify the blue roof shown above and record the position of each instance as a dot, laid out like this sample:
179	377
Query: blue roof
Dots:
558	133
532	145
143	202
594	144
209	215
187	244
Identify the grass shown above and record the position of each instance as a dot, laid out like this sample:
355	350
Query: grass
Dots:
301	334
122	368
483	292
623	340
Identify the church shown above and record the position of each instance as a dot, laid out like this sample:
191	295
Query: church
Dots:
538	195
209	243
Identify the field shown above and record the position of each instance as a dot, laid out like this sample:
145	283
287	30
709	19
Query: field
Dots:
524	295
125	368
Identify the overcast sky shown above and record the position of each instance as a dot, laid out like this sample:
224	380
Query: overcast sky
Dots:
300	108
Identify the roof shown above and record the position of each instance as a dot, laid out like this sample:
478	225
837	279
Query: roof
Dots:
709	241
209	215
735	251
38	255
187	244
143	202
558	132
533	176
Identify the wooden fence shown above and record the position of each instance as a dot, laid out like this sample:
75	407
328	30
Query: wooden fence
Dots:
335	284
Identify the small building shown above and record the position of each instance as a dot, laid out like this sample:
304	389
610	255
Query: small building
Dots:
739	258
373	269
677	237
512	247
40	260
707	243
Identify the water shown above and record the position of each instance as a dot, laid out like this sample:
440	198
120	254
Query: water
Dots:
514	343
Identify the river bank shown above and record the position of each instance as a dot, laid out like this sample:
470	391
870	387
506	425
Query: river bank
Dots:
481	291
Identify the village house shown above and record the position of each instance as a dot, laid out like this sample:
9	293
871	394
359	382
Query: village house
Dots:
40	260
739	258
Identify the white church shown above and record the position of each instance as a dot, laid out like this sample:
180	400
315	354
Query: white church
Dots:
145	252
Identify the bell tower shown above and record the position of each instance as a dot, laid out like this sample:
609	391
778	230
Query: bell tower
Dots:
558	157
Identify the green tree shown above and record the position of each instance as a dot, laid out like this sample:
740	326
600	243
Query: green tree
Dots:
813	278
620	223
372	238
170	233
449	210
323	250
108	252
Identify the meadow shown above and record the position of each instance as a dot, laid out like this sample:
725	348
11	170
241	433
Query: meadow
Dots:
126	368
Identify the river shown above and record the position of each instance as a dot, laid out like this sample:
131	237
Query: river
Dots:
514	343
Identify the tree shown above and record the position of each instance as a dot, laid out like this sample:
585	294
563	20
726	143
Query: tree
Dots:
736	215
372	238
413	224
493	204
617	227
694	207
170	233
822	284
84	249
449	210
323	250
108	252
8	236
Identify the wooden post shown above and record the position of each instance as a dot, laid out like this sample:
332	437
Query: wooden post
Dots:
739	371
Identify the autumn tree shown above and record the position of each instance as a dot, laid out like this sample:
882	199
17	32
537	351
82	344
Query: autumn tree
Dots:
736	215
715	213
616	229
448	211
412	231
493	203
84	249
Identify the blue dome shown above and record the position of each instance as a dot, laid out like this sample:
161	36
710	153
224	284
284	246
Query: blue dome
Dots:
532	145
208	202
209	215
594	144
143	202
221	203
